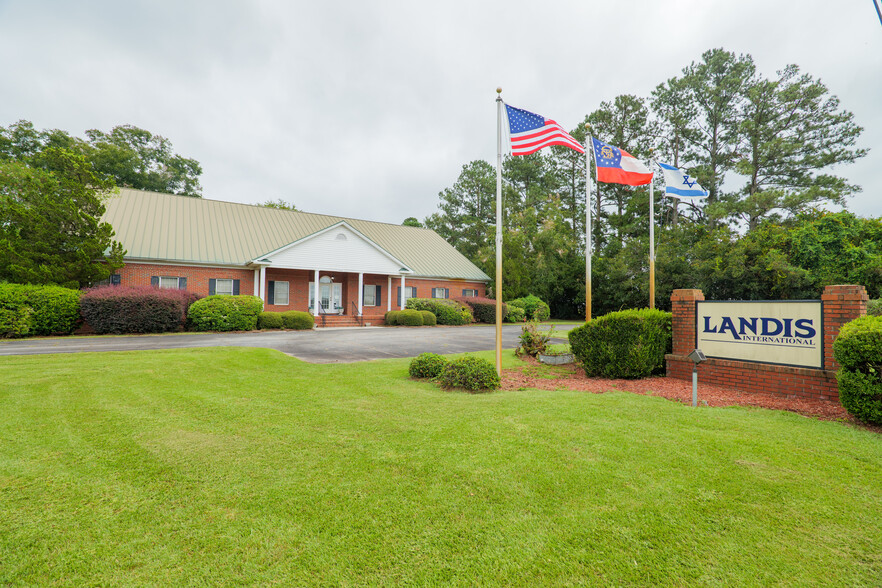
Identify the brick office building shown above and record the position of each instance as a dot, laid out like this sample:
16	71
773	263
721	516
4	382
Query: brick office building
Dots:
213	247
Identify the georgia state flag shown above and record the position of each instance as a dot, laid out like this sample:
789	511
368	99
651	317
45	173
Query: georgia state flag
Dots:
615	166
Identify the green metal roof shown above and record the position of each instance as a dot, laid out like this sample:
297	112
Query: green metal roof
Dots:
180	229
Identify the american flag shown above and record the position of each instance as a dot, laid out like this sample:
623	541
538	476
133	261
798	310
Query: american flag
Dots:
530	132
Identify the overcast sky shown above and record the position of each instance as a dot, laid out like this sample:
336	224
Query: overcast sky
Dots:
369	109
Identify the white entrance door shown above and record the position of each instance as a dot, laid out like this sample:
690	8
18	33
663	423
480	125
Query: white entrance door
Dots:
331	295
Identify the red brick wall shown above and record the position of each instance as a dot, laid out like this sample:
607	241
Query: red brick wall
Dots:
841	304
139	274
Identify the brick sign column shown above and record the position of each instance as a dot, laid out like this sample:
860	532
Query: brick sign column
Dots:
841	304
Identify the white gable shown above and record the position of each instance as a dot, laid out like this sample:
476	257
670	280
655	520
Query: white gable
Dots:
339	248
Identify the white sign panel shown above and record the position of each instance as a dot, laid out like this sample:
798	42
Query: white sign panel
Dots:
784	332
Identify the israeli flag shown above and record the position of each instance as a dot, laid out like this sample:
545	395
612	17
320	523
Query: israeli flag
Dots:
679	184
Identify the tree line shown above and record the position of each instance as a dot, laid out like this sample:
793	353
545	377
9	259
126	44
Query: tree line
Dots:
763	147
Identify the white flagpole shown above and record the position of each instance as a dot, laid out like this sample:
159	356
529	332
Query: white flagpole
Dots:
651	239
588	246
499	231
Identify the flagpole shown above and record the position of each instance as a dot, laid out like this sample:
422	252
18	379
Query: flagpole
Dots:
588	246
499	231
651	240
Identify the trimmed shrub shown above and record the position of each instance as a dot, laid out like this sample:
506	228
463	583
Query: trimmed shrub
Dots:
225	313
298	320
623	344
135	309
516	314
469	372
15	323
534	307
447	311
874	307
483	309
427	365
53	309
410	318
428	318
858	350
391	318
270	320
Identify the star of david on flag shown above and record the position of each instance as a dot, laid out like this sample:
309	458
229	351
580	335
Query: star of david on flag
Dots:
679	184
615	166
531	132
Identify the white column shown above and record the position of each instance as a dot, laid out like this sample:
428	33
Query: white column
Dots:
360	292
389	295
317	305
257	282
403	295
262	289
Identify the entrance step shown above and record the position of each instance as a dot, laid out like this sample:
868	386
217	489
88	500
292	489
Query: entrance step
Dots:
342	321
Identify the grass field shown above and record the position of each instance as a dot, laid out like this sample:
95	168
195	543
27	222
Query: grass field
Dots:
243	466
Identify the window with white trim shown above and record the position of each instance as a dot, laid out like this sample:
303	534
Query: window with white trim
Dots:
223	287
169	282
440	293
370	295
410	292
470	292
281	293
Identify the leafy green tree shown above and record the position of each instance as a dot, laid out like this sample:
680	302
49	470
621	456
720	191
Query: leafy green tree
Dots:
50	222
136	158
791	130
412	221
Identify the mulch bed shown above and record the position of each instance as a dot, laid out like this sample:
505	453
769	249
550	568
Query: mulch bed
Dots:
569	377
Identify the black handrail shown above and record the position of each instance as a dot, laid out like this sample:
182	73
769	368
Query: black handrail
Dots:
357	316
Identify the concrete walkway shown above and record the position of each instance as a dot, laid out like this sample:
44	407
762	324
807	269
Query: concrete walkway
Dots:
341	345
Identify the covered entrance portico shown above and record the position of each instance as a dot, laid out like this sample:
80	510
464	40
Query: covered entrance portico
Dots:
356	278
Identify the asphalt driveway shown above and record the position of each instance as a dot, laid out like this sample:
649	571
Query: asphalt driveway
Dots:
318	346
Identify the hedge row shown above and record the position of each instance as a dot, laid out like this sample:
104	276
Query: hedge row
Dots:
623	344
858	350
38	310
135	309
225	313
410	318
483	309
292	319
467	372
446	311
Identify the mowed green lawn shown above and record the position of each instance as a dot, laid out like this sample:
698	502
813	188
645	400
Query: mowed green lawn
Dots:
241	466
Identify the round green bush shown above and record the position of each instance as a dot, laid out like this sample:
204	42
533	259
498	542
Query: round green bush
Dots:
427	365
534	307
391	318
225	313
270	320
516	314
410	318
446	311
298	320
623	344
428	318
471	373
53	309
858	350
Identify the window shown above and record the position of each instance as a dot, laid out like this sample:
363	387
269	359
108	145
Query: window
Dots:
410	292
278	293
114	280
370	295
169	282
440	293
223	287
470	292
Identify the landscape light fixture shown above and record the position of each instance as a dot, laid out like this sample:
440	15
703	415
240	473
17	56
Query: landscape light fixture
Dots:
697	357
